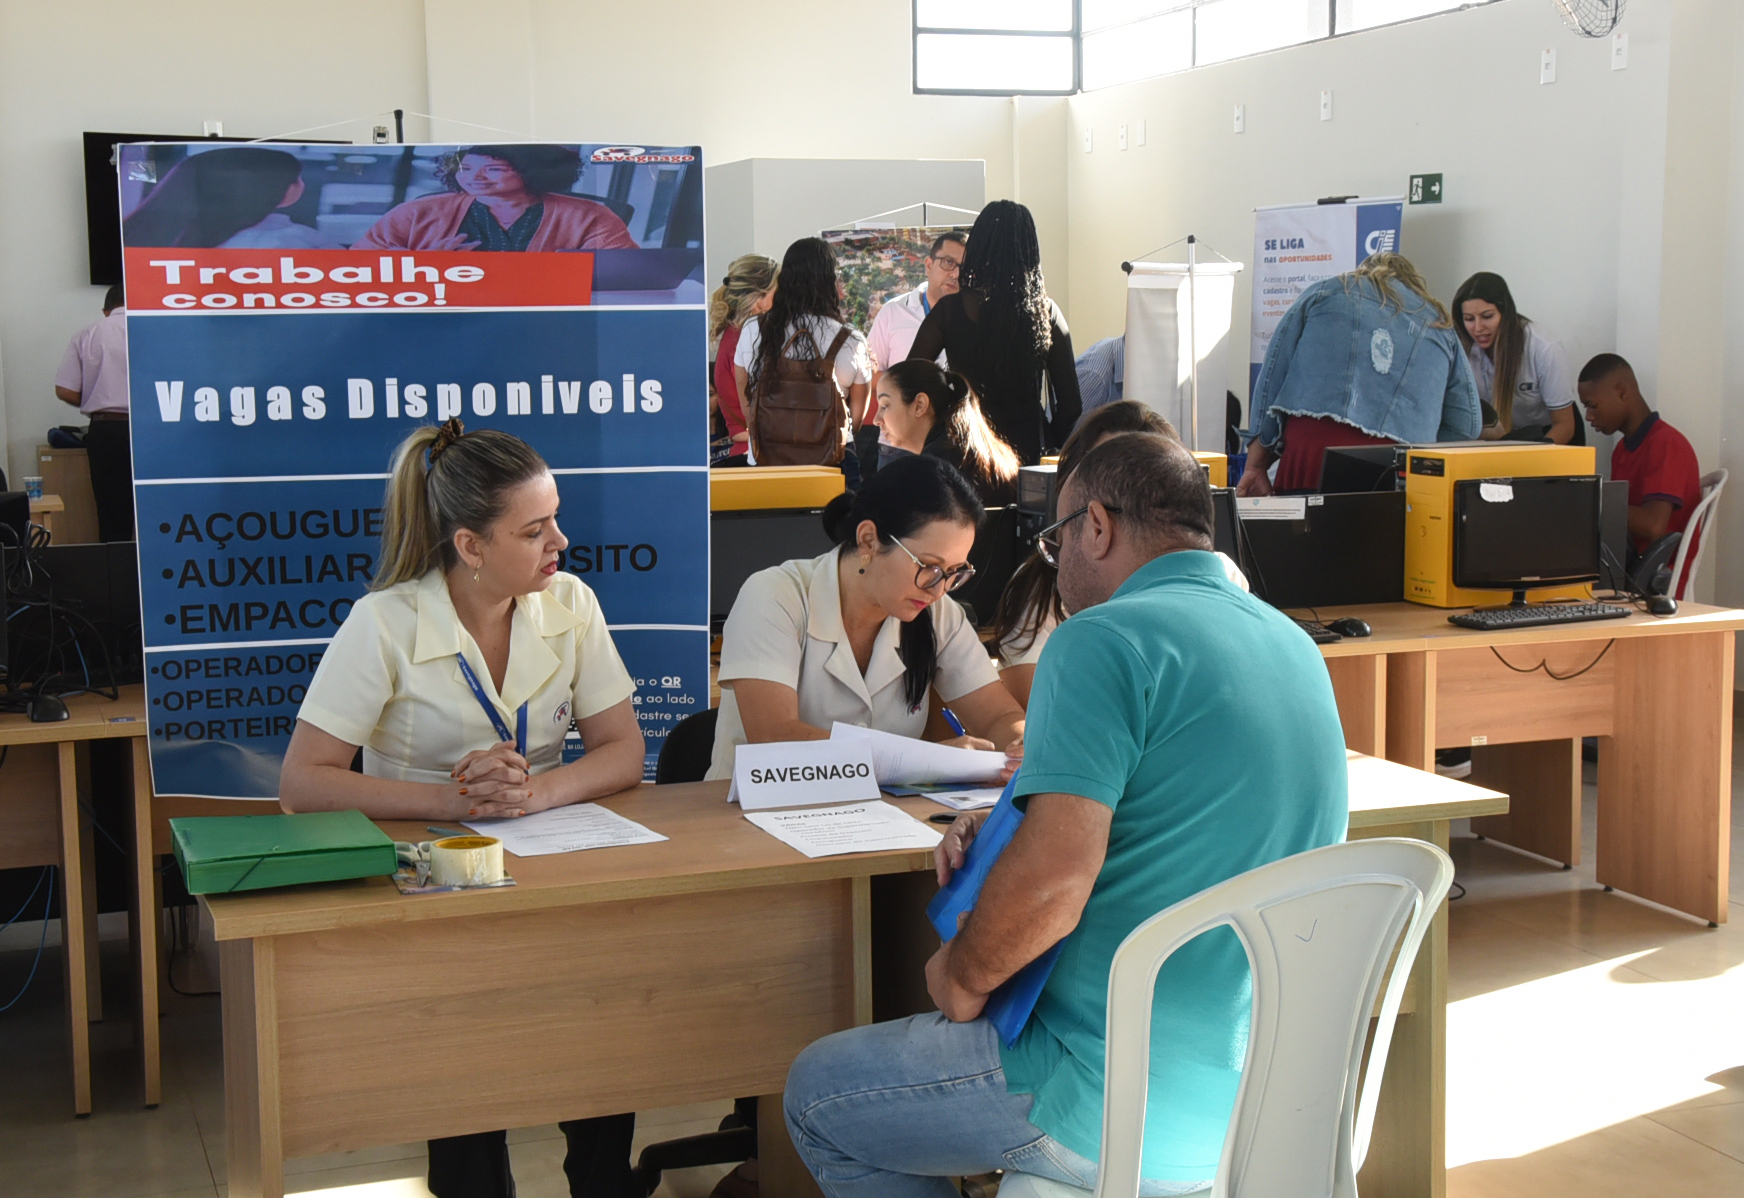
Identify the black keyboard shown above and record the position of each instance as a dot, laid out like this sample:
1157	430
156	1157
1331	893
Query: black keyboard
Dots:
1319	633
1495	619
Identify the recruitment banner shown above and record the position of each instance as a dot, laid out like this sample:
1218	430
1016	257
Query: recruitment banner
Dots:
295	311
1297	245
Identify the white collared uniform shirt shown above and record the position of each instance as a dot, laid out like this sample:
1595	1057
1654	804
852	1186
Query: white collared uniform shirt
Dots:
391	682
1544	383
786	627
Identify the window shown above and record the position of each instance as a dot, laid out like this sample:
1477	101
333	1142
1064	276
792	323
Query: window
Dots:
1057	47
997	47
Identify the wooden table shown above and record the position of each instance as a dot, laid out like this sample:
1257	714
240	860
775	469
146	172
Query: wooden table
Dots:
40	796
639	977
42	511
1657	692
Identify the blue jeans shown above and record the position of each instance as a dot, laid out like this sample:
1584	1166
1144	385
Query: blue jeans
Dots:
894	1109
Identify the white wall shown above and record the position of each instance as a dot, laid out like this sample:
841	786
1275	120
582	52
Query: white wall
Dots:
1613	201
781	79
111	66
1534	174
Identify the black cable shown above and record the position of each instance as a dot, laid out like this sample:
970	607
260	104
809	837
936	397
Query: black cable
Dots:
1548	672
47	906
183	940
1454	898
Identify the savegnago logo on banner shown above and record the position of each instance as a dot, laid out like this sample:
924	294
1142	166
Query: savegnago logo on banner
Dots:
278	295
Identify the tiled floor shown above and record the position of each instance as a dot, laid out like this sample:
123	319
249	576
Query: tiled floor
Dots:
1595	1047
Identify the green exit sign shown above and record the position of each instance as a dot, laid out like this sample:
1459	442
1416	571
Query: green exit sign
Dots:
1425	189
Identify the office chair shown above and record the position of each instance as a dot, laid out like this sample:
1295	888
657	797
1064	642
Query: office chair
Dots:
1307	1102
1697	531
689	748
685	758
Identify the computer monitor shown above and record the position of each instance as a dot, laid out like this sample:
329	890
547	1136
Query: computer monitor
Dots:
1516	534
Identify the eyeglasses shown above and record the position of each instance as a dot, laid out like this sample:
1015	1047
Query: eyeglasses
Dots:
1048	545
926	576
949	265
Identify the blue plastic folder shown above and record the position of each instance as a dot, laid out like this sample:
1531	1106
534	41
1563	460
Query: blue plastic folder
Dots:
1009	1006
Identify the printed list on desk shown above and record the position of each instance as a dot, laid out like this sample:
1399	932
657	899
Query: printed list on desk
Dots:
859	828
565	830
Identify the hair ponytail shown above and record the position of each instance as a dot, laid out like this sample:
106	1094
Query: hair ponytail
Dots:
445	479
989	462
899	500
749	276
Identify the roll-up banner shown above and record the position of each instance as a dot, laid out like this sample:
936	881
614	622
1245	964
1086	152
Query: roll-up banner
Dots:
294	311
1178	318
1297	245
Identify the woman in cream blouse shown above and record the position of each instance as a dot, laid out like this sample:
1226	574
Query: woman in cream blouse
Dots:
458	676
863	633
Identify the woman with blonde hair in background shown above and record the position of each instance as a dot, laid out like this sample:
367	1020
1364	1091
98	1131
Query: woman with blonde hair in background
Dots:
747	291
1368	357
458	675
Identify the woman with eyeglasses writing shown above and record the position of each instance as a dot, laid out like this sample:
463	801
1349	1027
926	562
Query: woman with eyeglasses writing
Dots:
864	633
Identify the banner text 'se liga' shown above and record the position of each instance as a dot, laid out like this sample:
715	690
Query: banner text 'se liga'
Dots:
294	311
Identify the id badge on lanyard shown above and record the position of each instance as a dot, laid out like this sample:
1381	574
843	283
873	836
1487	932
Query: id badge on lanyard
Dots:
490	710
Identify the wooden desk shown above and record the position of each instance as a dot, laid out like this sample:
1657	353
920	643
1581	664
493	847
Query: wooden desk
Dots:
41	803
42	511
1656	692
637	977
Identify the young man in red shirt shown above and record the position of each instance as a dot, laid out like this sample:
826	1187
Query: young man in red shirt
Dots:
1657	461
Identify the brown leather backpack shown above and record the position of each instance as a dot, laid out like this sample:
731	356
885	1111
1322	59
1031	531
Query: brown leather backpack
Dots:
801	417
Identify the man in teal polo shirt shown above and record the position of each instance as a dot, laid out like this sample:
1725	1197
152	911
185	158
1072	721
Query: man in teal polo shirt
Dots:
1159	762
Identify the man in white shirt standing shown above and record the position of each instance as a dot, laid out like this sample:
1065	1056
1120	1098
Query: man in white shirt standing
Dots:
93	378
900	318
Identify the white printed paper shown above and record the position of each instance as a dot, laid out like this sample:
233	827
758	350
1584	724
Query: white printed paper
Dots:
862	828
972	799
1272	507
1496	492
905	761
565	830
801	773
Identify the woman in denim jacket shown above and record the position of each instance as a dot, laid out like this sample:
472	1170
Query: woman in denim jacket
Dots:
1369	357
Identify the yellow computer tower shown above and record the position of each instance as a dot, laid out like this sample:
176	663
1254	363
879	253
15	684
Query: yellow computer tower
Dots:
1430	474
1216	463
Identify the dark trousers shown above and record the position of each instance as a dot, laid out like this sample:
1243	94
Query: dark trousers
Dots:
108	451
598	1164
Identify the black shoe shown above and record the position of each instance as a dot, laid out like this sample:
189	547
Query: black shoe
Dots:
1453	763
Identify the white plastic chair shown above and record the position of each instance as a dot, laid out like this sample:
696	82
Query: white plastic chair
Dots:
1320	929
1697	531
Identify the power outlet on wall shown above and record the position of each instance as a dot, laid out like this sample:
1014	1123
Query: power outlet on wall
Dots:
212	128
1241	118
1326	106
1547	67
1120	136
1619	51
1090	139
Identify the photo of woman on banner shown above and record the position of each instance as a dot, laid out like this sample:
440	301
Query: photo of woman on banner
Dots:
231	198
507	198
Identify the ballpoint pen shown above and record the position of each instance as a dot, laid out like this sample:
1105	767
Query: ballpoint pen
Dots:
953	721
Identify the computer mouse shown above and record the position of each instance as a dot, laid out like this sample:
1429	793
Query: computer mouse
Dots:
1661	605
1350	626
46	709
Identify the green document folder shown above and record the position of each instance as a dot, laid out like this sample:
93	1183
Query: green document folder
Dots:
222	853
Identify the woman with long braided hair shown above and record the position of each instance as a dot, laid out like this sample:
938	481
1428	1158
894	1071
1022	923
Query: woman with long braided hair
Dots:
1006	336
